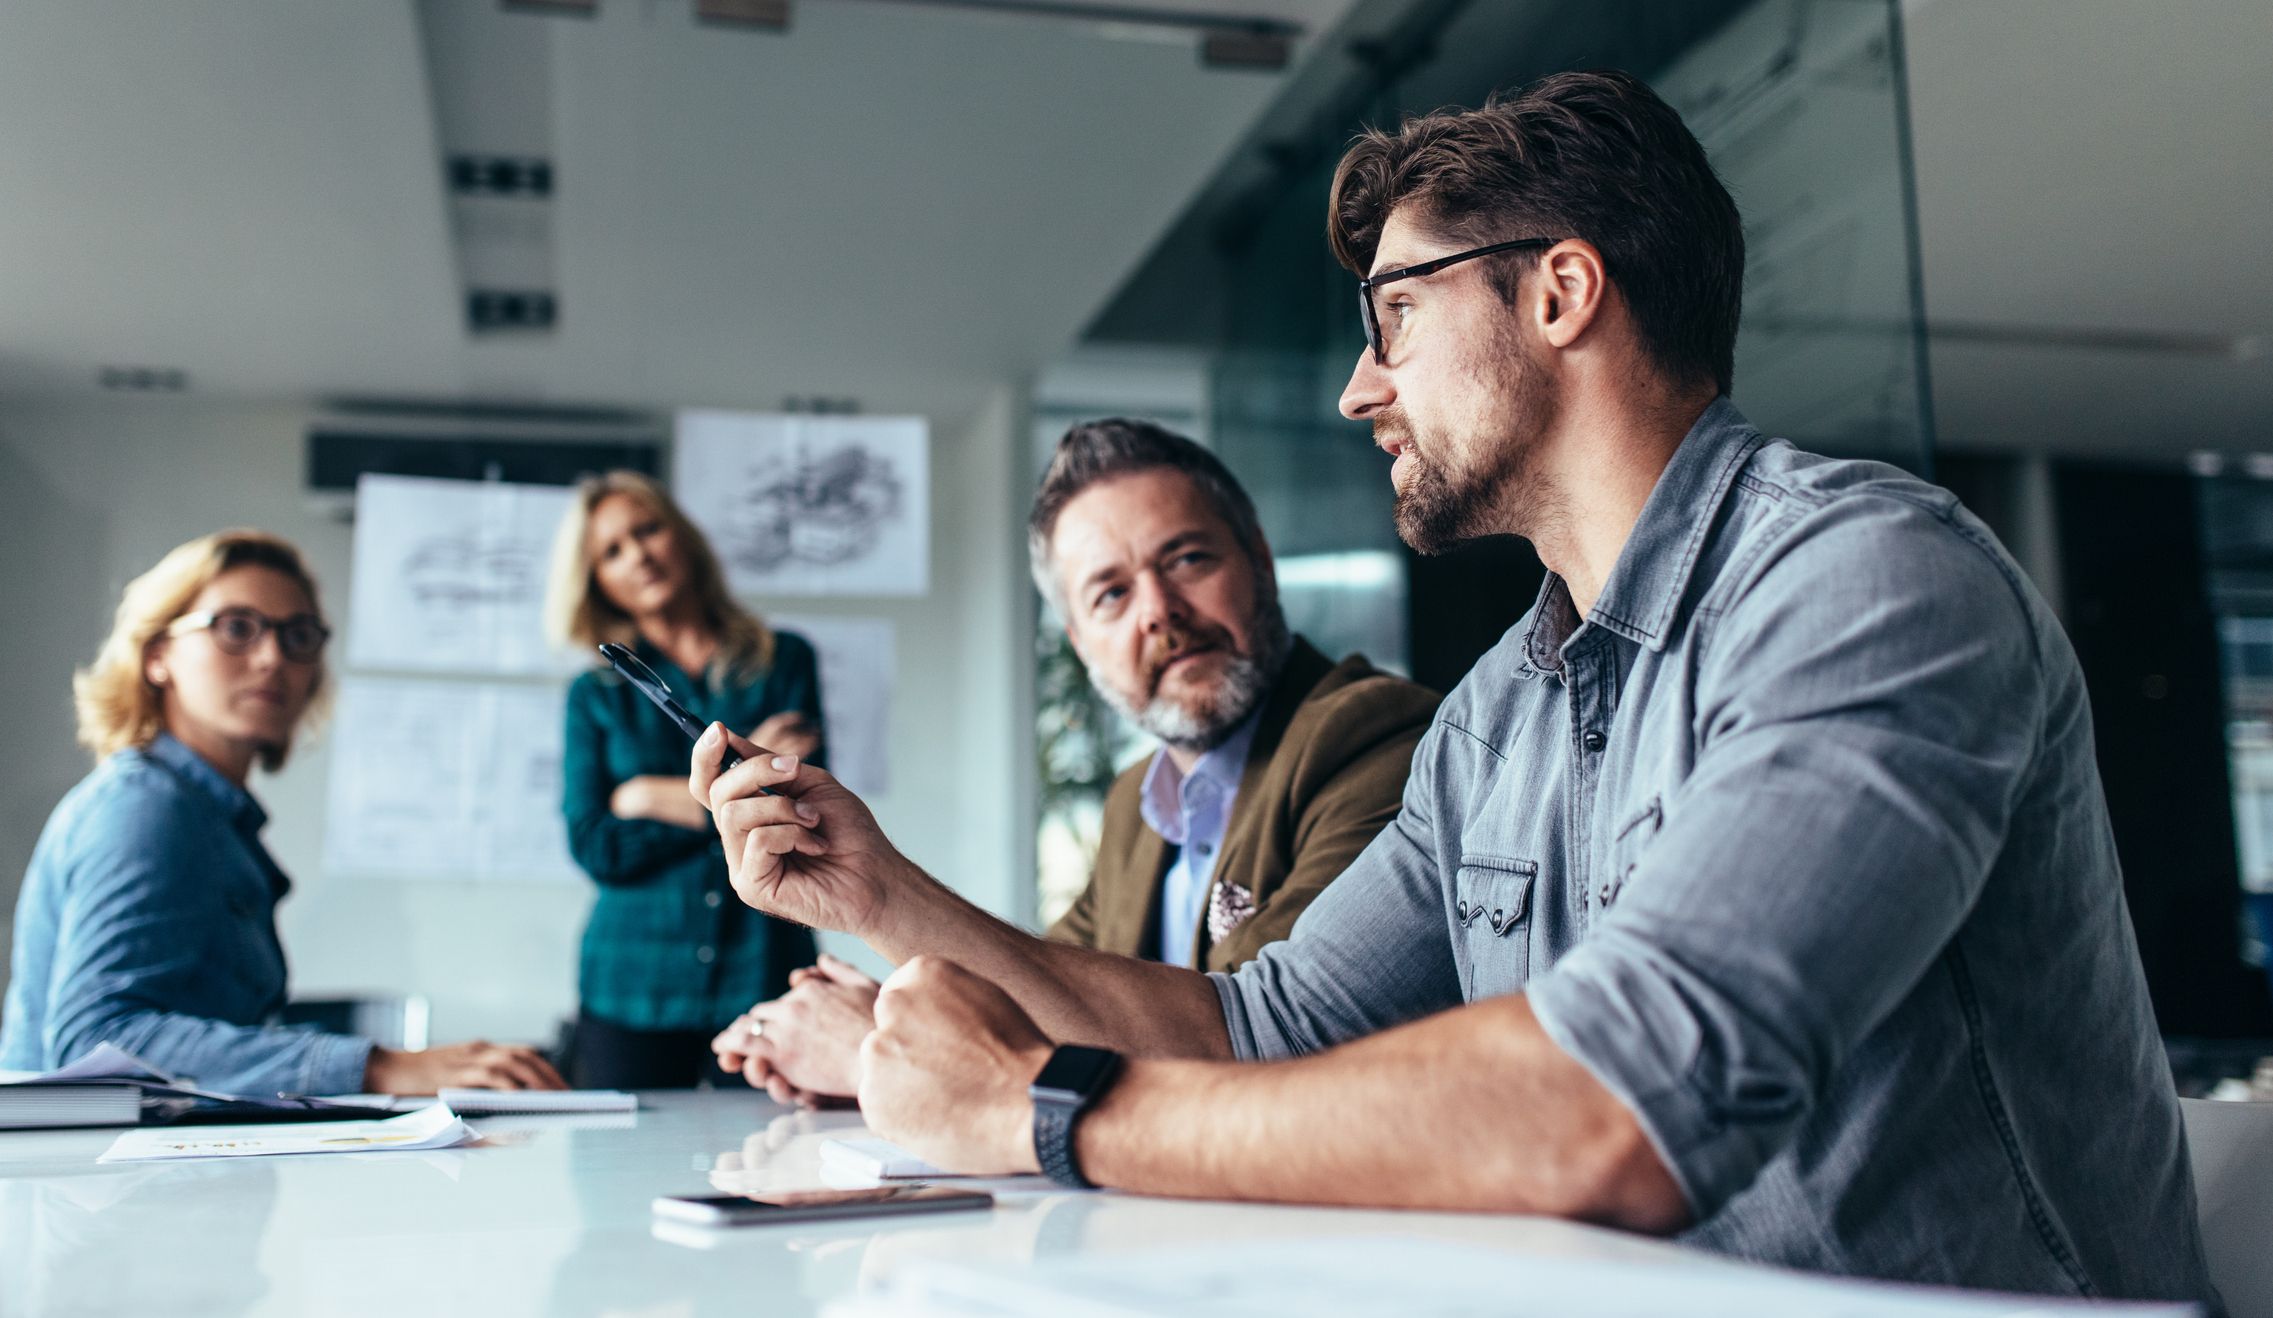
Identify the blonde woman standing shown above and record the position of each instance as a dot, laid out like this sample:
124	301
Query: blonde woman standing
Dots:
148	916
669	956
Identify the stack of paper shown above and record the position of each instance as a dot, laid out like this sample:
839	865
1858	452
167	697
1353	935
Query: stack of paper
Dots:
435	1127
32	1104
104	1088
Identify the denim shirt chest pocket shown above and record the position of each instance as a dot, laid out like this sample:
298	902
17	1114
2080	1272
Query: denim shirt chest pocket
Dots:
1492	903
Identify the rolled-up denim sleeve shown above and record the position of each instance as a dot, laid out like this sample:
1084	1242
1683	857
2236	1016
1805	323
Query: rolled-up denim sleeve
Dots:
1865	713
1370	952
129	951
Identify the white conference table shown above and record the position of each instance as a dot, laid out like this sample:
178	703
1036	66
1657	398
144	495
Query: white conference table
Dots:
549	1215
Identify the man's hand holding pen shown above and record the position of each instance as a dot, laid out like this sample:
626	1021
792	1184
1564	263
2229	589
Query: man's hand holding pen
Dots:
799	845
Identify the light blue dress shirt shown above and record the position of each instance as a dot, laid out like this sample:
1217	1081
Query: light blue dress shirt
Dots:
1795	842
148	920
1192	811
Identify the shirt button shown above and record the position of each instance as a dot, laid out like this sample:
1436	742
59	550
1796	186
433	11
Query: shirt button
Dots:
1204	849
1593	740
706	955
710	899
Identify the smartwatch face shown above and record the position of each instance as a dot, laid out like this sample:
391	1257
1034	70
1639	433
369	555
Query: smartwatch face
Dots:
1074	1072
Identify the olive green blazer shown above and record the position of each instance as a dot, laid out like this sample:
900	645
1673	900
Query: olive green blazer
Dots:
1325	772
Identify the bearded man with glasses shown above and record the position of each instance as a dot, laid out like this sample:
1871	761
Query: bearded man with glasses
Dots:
1758	886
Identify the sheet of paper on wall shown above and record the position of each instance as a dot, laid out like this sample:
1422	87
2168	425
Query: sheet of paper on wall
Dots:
809	505
857	658
1350	1277
450	576
446	780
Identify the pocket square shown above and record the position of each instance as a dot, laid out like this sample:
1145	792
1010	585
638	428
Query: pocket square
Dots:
1229	907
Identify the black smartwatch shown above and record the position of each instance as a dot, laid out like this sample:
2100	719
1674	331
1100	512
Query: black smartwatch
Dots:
1073	1079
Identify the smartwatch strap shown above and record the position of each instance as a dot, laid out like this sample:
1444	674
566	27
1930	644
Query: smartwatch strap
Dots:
1053	1144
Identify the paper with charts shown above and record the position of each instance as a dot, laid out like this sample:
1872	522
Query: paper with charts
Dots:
809	505
446	780
435	1127
856	656
450	576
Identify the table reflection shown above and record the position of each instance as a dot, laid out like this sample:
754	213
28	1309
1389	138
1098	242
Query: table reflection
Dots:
173	1239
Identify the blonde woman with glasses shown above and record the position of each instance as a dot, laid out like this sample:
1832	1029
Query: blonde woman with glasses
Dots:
669	956
148	916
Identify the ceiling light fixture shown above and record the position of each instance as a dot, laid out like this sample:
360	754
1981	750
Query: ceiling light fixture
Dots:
143	379
1227	40
766	15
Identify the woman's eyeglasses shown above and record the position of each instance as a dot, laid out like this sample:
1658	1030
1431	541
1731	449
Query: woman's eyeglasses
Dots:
300	638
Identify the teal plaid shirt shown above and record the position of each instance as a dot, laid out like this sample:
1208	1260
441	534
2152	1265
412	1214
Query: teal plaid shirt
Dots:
669	947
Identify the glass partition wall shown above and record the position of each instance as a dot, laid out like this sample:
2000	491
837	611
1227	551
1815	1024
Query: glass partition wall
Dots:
1801	104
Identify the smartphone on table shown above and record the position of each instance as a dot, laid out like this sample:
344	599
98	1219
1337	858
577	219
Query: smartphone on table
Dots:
816	1205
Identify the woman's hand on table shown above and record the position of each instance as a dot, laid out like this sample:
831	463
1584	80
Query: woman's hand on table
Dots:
475	1065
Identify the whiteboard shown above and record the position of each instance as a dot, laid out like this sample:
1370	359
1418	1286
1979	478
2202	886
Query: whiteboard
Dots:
450	576
447	780
857	657
809	505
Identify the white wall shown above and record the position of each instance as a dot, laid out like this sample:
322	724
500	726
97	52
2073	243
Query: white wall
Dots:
93	491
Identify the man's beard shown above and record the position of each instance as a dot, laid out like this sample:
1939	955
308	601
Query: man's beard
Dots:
1245	684
1497	490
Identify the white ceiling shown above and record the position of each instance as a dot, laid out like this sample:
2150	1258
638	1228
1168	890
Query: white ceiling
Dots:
899	204
2091	168
906	205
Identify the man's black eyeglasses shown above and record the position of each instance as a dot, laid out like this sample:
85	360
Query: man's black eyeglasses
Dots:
300	637
1365	286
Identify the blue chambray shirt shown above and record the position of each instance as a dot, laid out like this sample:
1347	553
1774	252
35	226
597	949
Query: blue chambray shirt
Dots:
1192	812
148	919
1798	845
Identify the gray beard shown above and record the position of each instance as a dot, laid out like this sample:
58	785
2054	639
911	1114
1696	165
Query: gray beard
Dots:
1247	682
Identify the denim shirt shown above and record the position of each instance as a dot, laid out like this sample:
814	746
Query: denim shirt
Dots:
148	920
1191	813
1798	845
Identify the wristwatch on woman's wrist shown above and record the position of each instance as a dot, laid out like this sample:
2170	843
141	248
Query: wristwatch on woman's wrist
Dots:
1072	1081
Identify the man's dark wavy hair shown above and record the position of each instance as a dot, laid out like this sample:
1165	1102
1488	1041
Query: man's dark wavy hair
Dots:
1594	155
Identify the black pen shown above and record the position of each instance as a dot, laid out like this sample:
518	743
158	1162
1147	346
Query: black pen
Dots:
652	687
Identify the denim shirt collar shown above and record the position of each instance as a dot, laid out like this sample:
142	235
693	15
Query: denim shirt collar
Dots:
236	803
1646	586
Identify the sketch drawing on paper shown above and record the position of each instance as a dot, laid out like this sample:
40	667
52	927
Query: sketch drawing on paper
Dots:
857	657
800	505
450	576
832	509
456	571
447	780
